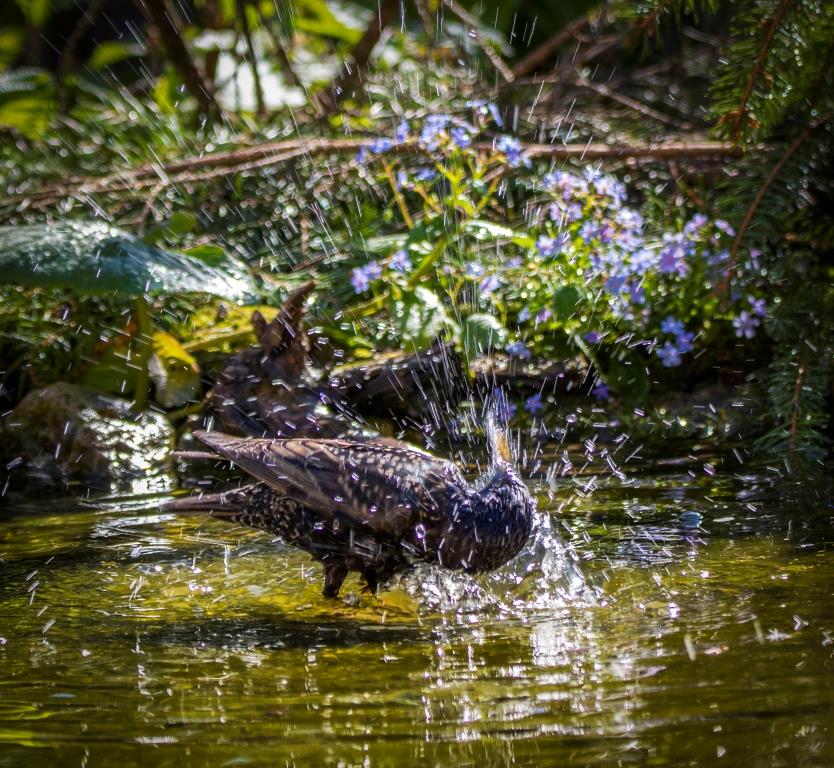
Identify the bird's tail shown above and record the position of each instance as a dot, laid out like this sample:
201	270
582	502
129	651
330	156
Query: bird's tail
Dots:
226	505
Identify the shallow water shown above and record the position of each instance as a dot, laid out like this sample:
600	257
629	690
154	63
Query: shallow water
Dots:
680	613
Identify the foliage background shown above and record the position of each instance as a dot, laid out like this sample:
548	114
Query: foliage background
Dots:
105	110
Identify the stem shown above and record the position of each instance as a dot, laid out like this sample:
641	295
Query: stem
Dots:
398	196
144	345
165	18
253	59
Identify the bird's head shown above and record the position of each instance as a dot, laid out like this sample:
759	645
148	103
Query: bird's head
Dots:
500	449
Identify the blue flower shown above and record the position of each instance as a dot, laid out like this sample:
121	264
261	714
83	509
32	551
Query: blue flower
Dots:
636	293
400	261
758	306
550	246
373	270
433	128
489	284
615	285
543	316
425	174
565	183
643	260
533	404
401	134
474	269
402	179
380	146
684	342
592	337
672	325
601	391
505	410
591	174
589	231
695	224
518	349
359	280
511	147
669	355
629	219
725	227
524	315
745	324
460	137
610	187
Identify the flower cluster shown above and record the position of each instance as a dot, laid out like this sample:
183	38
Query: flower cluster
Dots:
582	270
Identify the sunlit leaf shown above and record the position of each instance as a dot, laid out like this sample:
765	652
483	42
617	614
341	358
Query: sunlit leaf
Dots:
112	52
95	258
482	334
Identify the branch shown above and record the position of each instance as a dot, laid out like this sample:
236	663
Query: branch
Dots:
274	153
163	16
253	59
475	24
757	200
539	55
66	63
361	53
626	101
737	115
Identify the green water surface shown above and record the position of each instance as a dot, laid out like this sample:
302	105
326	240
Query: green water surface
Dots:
679	612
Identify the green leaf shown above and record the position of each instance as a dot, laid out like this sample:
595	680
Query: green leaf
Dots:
488	230
422	317
95	258
213	255
316	17
628	377
112	52
36	12
565	301
481	334
27	100
11	43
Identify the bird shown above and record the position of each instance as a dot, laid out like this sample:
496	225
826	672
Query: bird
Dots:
376	506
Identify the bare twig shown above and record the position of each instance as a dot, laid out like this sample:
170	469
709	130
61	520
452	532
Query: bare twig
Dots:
270	154
643	109
474	23
533	60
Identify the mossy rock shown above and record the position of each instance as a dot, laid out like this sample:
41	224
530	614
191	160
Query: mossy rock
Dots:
68	437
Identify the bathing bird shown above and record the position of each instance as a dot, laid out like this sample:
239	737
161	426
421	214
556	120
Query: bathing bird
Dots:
376	506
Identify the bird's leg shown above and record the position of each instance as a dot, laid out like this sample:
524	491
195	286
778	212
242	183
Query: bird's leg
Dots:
335	571
371	582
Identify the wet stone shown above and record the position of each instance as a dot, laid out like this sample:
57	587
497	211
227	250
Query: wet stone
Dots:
67	437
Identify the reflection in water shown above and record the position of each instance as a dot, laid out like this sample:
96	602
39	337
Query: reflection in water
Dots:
675	616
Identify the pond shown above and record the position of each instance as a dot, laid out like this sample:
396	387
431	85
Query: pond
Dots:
679	611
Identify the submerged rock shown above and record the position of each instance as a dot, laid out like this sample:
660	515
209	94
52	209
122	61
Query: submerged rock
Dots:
65	436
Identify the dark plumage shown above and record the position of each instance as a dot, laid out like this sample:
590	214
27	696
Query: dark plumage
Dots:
375	507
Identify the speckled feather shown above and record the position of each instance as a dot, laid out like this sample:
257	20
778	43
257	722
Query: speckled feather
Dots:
374	507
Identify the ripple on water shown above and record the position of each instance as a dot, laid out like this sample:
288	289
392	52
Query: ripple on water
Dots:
623	633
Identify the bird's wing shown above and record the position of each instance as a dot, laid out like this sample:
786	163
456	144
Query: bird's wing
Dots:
383	486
